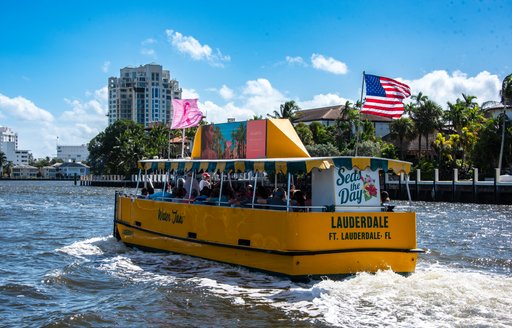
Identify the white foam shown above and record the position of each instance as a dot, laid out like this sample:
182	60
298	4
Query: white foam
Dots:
124	267
433	297
83	248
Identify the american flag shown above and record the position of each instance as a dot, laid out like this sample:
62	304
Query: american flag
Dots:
384	96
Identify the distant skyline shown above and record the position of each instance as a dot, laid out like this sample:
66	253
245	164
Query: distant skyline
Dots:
239	58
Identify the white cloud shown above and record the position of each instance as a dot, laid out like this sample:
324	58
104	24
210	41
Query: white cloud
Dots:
189	94
295	60
147	50
329	64
323	100
84	120
106	66
148	41
38	129
23	109
226	93
220	114
442	87
192	47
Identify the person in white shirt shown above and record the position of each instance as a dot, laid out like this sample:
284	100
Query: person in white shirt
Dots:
205	182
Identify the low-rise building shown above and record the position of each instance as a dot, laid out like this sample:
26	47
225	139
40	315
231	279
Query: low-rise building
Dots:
70	169
72	153
24	171
48	172
328	116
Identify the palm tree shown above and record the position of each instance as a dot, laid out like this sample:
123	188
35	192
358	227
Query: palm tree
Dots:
420	98
469	101
402	129
506	99
427	118
287	110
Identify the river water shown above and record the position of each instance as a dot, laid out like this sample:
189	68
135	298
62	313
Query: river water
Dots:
61	267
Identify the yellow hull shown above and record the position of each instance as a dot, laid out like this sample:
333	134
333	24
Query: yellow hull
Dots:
295	244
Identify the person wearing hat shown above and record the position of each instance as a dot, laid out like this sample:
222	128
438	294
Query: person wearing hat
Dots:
205	182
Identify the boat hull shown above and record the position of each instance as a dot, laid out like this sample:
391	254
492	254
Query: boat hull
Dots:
294	244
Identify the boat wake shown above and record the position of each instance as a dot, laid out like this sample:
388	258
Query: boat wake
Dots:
435	295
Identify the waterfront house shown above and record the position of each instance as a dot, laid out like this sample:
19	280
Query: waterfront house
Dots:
48	172
24	171
328	116
70	169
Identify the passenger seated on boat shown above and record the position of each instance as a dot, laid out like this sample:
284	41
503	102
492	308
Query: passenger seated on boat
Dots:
298	200
278	200
214	195
191	198
384	197
179	191
292	190
242	196
203	196
232	200
143	193
261	195
160	195
250	191
191	183
205	182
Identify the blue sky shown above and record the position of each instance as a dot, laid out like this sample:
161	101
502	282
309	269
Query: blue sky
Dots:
240	58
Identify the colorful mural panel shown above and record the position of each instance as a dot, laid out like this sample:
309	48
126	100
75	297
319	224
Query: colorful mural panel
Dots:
224	141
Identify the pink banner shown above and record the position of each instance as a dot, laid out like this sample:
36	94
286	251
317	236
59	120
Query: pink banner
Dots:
256	139
186	113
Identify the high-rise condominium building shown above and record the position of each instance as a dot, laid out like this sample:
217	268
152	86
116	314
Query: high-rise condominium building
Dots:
143	94
9	146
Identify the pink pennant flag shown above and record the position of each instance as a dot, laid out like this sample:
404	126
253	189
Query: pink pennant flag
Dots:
186	113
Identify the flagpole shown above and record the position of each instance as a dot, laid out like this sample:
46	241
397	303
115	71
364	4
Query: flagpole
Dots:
359	114
183	143
168	142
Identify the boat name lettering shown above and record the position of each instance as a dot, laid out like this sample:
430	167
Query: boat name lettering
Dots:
165	216
359	235
355	176
353	196
346	222
177	218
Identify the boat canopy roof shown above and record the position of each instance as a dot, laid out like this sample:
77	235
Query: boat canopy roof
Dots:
279	165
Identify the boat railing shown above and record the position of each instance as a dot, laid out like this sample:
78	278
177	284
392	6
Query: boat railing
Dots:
289	208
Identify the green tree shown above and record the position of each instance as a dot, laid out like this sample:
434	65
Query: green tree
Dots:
320	133
322	150
346	126
402	130
287	110
506	100
506	91
427	118
304	133
42	162
117	149
489	140
157	141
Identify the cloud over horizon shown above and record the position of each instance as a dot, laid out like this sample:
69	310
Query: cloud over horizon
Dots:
191	46
84	118
442	87
329	64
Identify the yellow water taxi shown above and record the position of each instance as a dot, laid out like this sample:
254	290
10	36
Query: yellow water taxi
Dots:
341	228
